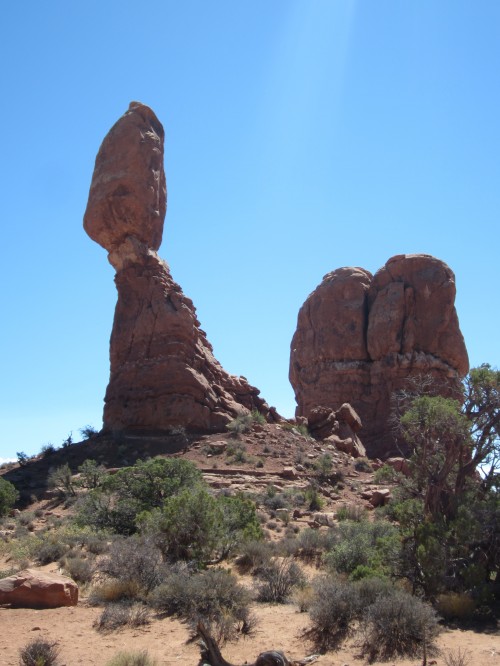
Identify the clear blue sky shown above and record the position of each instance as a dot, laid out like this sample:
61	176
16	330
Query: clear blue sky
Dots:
301	136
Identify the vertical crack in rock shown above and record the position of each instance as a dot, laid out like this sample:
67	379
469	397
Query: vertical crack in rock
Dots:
163	372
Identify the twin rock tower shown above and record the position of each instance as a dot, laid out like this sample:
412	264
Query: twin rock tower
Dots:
359	337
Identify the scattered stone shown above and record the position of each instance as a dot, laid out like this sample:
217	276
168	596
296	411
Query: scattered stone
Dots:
289	472
399	465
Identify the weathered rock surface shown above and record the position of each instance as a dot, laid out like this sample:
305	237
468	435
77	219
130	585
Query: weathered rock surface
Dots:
163	372
361	337
37	589
338	428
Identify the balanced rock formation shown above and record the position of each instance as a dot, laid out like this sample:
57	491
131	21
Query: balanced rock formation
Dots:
361	337
163	372
38	589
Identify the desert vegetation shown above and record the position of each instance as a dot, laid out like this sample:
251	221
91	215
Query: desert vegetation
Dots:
154	540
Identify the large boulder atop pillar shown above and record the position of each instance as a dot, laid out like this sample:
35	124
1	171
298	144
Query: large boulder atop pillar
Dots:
163	371
360	337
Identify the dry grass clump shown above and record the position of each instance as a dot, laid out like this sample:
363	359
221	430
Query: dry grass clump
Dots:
122	614
457	605
111	591
457	657
39	652
132	659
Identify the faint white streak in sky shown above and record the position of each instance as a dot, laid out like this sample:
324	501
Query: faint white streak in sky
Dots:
306	78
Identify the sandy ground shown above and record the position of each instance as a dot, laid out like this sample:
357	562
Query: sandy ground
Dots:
279	627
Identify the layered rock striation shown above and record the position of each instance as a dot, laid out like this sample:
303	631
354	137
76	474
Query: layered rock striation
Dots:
163	371
360	337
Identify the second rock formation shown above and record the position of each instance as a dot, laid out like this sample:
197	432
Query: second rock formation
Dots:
360	337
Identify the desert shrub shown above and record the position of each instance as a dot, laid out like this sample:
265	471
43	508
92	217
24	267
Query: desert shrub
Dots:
372	545
91	474
303	597
386	474
323	465
50	549
457	605
132	659
97	544
214	596
369	589
22	458
335	605
194	525
362	465
457	657
311	541
398	624
26	519
237	522
254	555
47	450
134	560
241	424
121	497
278	579
186	527
61	479
116	615
353	512
111	591
8	496
39	652
88	432
313	499
78	568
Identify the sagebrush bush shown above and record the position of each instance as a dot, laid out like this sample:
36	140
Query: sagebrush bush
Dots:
132	659
79	568
278	579
334	607
369	589
39	652
254	555
398	624
214	596
116	615
50	549
134	560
